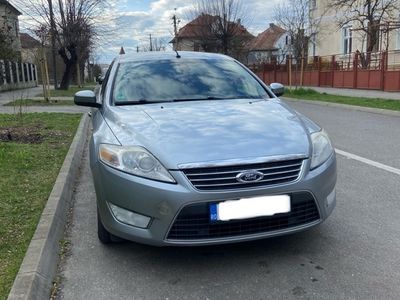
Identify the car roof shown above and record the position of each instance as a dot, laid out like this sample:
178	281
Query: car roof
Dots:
159	55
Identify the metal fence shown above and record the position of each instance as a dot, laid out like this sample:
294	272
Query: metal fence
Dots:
16	75
378	71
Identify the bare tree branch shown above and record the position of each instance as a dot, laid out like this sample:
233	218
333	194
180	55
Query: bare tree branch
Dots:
293	16
219	26
367	16
75	32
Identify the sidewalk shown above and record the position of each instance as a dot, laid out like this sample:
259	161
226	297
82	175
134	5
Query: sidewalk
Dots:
8	96
32	93
73	109
356	92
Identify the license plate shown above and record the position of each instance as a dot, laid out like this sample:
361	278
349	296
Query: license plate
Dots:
247	208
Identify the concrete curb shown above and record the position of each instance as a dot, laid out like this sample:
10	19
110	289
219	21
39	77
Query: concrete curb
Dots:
37	271
380	111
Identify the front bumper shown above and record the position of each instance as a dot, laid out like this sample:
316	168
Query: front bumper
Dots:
164	201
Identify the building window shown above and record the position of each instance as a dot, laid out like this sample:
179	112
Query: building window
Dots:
313	4
347	39
375	26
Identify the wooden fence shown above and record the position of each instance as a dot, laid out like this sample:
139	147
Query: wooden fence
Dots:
15	75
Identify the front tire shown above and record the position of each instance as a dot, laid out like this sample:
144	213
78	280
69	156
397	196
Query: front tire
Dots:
104	236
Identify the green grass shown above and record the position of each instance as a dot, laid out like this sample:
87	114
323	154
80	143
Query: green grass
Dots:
28	173
70	92
33	102
310	94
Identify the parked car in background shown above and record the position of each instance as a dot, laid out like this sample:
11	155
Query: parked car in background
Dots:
193	149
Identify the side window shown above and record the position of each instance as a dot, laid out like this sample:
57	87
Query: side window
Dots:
347	39
104	84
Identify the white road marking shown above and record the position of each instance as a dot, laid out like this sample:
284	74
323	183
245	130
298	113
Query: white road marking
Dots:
368	161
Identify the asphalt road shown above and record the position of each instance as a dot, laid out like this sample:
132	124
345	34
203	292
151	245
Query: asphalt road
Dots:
355	254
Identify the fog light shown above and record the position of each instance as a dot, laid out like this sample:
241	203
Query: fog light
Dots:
128	217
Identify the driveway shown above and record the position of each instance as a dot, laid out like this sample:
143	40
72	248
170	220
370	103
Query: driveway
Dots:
353	255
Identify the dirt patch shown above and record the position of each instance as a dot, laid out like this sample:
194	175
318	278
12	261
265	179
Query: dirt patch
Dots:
21	134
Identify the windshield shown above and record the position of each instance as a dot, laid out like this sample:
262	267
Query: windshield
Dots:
184	80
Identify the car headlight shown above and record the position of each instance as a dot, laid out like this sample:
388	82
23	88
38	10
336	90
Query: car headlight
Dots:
134	160
322	148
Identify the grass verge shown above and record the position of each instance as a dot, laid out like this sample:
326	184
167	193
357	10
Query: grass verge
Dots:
70	92
310	94
33	102
29	165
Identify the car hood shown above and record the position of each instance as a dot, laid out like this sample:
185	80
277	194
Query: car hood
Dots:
210	131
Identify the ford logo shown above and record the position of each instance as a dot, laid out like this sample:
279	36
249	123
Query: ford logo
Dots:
249	176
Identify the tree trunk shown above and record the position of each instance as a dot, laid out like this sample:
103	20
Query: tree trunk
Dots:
82	72
66	79
69	59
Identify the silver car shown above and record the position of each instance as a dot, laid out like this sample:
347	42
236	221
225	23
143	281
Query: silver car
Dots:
193	149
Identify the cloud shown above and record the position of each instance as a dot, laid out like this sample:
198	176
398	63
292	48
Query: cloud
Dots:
130	23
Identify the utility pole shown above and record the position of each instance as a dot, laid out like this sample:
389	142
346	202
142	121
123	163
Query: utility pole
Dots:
176	21
151	44
175	27
53	43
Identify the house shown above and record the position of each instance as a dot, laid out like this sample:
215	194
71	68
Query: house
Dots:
200	35
273	44
9	24
30	48
32	51
332	39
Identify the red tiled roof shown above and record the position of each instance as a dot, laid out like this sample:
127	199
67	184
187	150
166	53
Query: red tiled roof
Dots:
199	26
266	40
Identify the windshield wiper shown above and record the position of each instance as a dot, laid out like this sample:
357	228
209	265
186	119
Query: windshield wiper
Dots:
201	99
136	102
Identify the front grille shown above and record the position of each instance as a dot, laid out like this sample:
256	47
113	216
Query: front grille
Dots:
193	222
224	178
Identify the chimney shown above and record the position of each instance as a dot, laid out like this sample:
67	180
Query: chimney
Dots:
239	21
271	25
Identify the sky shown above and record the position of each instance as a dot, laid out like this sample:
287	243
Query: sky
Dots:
133	21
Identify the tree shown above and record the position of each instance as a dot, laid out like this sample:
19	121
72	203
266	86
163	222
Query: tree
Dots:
75	30
157	44
294	17
366	16
96	70
220	26
6	50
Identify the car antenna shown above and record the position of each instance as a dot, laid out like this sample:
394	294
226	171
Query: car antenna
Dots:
177	54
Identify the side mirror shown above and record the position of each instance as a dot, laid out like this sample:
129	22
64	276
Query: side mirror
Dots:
277	88
86	98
